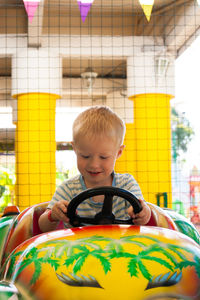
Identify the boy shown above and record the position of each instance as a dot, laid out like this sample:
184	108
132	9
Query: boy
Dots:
98	135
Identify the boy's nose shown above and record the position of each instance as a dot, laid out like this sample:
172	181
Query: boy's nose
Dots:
94	163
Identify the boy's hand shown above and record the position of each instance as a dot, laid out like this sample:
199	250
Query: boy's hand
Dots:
143	217
59	211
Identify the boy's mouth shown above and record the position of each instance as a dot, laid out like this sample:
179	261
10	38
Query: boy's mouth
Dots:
94	173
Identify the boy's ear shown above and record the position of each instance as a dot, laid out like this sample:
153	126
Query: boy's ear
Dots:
73	146
120	151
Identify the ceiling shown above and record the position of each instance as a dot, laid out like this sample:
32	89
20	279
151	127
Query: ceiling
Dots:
105	18
116	5
116	17
104	68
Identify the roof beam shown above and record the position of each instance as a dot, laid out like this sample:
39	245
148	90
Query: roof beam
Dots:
35	27
188	20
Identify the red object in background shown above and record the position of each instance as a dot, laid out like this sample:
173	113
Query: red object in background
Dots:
196	216
195	197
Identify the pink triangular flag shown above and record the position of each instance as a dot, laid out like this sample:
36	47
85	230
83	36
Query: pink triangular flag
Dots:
31	6
84	7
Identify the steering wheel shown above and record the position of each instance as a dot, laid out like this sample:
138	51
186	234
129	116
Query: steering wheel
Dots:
105	216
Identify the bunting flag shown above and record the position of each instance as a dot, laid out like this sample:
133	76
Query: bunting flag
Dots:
147	6
84	7
31	6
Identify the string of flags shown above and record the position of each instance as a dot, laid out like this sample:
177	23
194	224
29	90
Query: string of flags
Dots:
84	8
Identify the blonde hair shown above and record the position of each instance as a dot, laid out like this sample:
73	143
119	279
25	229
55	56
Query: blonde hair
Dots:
99	121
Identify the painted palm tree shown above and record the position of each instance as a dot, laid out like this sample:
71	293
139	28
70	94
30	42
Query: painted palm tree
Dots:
76	253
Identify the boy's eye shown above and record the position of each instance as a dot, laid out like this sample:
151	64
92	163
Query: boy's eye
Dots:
85	156
103	157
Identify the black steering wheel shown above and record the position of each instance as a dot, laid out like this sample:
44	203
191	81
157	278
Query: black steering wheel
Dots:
105	216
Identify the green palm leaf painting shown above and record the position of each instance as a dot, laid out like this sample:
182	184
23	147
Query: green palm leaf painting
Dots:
74	254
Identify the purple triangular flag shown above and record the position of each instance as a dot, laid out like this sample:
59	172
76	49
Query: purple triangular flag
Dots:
31	7
84	7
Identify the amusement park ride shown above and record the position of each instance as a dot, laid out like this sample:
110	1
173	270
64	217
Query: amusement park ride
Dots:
109	259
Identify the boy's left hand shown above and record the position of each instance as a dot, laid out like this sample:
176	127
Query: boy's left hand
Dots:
143	217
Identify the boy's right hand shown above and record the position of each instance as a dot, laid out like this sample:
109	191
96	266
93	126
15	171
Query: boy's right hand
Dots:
59	211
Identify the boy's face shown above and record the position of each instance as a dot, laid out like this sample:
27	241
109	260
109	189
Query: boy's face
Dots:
96	160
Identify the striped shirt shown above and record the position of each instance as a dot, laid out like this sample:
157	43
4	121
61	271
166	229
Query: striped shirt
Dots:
74	186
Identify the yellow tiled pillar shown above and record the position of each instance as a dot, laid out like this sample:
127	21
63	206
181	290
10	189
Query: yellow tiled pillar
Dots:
152	133
147	156
35	148
36	81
